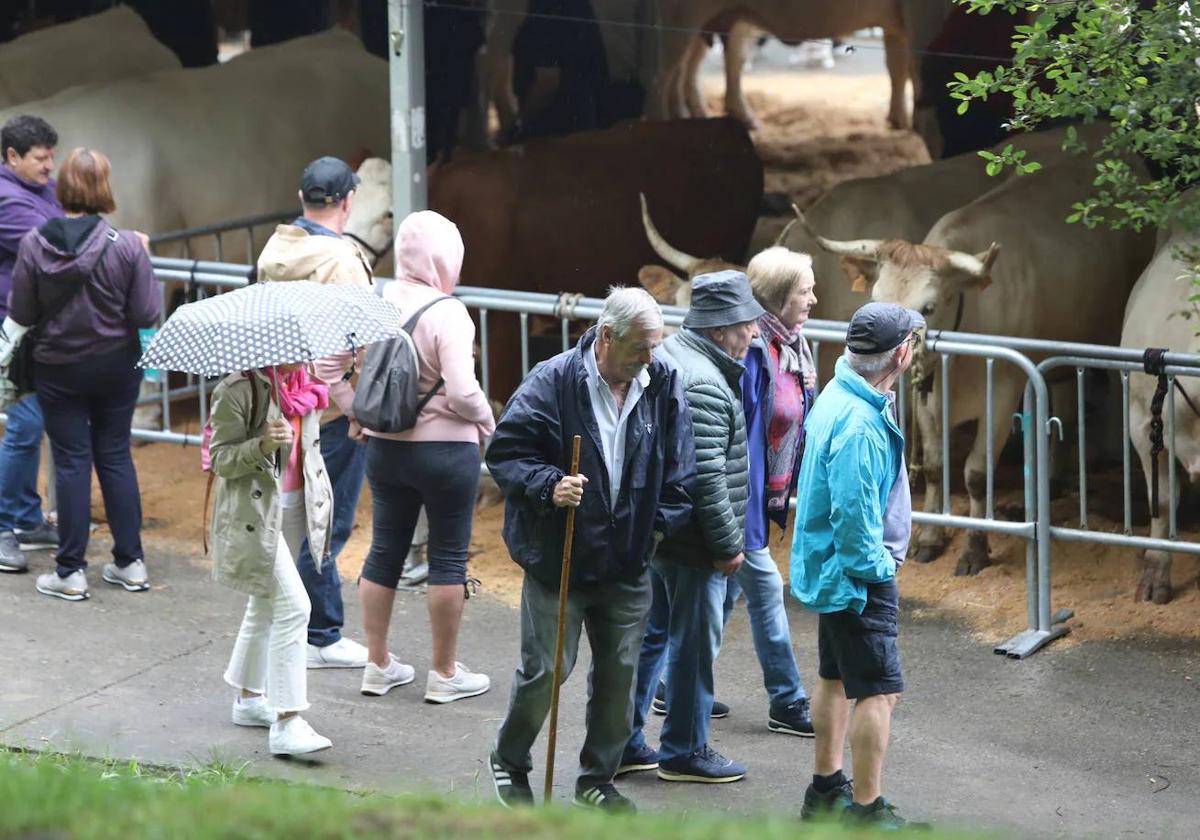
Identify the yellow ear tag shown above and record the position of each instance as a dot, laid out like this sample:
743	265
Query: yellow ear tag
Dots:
859	284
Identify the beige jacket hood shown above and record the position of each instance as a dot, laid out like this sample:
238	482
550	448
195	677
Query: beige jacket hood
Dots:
292	254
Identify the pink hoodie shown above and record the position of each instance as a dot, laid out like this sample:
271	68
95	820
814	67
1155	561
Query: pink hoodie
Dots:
429	258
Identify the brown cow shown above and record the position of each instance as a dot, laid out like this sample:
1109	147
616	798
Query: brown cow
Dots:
561	214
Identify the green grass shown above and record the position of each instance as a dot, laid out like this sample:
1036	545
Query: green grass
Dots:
55	796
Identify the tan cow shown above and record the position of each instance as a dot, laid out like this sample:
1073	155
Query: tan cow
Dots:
1057	281
101	48
905	23
1153	318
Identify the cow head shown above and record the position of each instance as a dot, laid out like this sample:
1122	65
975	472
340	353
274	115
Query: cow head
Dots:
370	223
927	278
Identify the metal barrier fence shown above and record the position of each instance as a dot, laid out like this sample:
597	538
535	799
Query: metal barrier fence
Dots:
1035	421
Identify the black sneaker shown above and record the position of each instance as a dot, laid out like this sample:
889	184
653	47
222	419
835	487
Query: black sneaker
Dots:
792	719
659	705
11	558
604	798
640	758
827	804
879	814
512	788
41	537
704	765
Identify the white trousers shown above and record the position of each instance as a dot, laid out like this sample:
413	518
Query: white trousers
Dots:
270	654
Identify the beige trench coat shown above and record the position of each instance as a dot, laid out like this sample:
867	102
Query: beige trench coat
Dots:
246	518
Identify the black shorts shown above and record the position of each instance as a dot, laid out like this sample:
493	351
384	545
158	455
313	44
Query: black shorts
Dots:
861	650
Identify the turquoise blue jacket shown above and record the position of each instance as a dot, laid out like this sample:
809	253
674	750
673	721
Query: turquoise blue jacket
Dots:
852	455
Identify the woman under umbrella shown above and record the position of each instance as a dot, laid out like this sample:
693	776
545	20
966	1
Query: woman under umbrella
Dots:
271	487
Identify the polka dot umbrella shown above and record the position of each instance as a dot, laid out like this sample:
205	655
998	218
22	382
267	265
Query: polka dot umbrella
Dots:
269	324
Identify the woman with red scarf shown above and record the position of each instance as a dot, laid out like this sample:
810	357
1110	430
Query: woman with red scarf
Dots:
271	492
777	389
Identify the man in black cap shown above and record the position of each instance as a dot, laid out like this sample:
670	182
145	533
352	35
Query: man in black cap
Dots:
853	522
312	248
690	569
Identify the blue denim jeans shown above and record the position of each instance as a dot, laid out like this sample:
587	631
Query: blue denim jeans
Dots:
760	581
20	455
683	636
346	464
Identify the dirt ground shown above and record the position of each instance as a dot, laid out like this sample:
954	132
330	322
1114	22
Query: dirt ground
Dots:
813	135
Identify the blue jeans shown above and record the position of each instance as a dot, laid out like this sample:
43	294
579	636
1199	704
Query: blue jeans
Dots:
346	463
20	455
683	635
762	584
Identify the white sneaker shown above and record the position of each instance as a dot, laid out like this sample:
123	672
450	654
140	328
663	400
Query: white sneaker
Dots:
133	577
293	736
252	711
344	653
73	587
464	683
379	681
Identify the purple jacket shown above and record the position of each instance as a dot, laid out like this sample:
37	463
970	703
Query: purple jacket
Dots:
120	294
23	206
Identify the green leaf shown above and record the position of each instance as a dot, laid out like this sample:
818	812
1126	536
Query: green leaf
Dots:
962	107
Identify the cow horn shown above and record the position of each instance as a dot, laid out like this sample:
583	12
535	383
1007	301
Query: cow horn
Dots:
975	265
861	248
787	229
673	256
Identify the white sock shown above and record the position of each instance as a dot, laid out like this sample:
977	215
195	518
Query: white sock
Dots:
251	701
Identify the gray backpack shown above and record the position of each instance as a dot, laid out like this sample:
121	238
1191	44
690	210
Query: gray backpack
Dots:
386	399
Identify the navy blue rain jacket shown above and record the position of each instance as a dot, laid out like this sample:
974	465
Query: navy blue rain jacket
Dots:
531	451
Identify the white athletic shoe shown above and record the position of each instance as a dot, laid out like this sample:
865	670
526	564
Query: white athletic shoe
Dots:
252	711
464	683
344	653
73	587
378	681
132	578
293	736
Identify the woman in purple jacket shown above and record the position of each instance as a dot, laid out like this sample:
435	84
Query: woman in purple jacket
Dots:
777	389
88	288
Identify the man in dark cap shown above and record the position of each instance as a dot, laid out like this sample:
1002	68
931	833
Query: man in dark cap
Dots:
690	569
312	248
853	522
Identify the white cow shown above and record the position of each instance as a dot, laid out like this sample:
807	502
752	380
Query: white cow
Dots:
905	23
101	48
1057	281
1153	319
902	205
196	147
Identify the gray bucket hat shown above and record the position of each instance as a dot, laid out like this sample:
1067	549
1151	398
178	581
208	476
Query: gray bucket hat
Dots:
721	299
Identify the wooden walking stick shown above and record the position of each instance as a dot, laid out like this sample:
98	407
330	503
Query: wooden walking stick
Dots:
564	583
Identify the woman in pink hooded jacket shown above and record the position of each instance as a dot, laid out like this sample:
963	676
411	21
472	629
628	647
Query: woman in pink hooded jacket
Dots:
435	464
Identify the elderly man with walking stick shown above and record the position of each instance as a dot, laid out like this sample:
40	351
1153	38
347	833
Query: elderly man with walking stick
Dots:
631	489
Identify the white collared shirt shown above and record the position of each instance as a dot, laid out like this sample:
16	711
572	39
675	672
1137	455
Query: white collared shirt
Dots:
610	420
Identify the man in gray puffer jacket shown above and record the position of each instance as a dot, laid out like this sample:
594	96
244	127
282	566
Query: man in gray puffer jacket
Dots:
689	571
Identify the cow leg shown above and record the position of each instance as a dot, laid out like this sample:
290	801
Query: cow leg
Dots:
930	540
975	555
737	50
666	95
895	44
1154	583
693	94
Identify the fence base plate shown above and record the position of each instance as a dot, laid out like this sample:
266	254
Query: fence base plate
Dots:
1028	642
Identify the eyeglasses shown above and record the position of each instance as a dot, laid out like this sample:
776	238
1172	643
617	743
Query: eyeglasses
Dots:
914	339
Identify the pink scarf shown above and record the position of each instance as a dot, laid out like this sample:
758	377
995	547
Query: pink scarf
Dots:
298	395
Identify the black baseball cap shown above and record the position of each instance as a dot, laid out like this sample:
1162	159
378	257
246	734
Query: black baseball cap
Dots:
327	180
880	327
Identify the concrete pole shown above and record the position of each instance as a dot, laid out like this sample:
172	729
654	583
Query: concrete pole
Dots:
406	64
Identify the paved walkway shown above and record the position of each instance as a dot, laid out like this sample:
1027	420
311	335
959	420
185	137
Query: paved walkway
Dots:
1098	739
